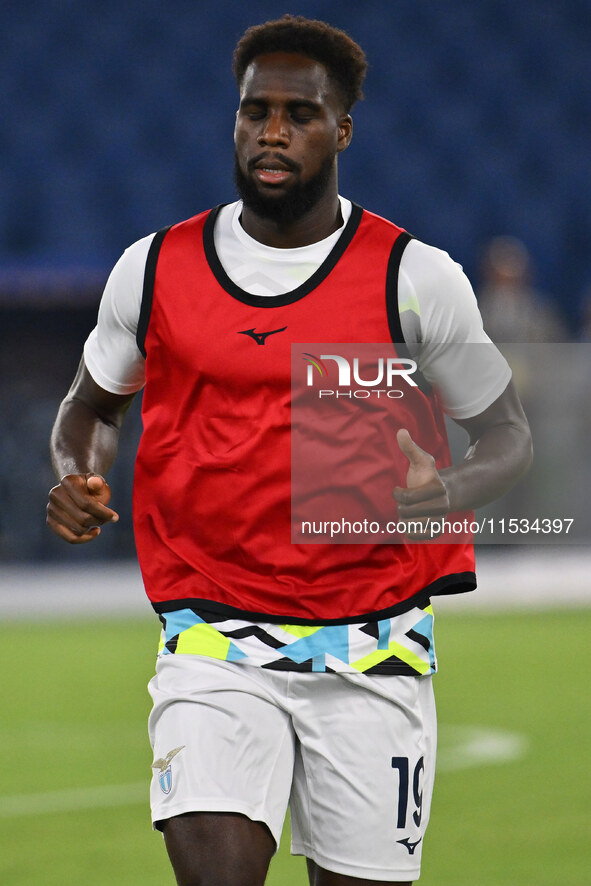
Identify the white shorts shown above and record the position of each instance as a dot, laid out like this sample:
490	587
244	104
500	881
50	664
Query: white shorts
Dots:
352	755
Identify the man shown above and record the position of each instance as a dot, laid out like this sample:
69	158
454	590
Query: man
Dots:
254	707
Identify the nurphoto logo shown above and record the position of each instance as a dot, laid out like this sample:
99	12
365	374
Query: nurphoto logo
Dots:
386	372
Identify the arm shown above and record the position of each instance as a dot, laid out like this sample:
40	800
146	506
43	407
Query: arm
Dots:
500	452
83	447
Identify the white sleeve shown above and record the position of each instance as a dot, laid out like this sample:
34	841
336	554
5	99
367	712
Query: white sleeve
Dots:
454	353
111	353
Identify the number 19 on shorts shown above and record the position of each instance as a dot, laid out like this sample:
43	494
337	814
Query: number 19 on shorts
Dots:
402	765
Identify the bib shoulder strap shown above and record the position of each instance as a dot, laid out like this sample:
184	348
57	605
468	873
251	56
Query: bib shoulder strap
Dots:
394	323
148	290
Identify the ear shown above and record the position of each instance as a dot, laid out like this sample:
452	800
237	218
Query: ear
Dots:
345	132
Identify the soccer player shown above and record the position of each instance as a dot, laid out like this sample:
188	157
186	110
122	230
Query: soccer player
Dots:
295	674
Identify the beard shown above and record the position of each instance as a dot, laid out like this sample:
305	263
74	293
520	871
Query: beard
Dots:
288	206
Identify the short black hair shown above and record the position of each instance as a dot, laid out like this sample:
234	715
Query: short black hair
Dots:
343	58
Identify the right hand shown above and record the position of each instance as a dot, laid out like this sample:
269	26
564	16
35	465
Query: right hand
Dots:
77	507
425	494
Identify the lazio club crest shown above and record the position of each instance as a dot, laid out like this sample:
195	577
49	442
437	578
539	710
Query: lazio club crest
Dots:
165	770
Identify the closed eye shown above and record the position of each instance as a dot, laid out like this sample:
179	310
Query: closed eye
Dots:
253	110
304	112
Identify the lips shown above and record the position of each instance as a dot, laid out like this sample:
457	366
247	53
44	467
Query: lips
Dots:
271	176
272	171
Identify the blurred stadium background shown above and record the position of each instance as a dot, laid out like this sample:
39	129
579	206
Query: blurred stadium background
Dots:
117	119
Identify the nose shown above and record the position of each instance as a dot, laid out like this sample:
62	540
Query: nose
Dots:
274	131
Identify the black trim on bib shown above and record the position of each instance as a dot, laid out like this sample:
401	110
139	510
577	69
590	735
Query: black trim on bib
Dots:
393	304
148	290
453	583
263	301
392	309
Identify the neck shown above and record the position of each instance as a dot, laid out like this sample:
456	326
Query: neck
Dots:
322	220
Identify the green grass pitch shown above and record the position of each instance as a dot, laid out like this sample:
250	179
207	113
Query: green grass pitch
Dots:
73	805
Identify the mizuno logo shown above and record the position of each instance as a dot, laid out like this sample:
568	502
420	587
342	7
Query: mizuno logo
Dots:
410	846
260	337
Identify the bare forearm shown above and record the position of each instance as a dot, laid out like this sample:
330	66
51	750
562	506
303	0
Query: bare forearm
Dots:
492	466
83	447
499	454
82	441
86	431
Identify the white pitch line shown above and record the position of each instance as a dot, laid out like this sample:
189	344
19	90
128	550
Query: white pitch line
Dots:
507	579
462	747
74	799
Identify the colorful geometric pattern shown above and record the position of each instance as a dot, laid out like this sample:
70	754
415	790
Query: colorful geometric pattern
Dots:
399	645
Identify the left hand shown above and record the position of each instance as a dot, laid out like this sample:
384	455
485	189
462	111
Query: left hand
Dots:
426	495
